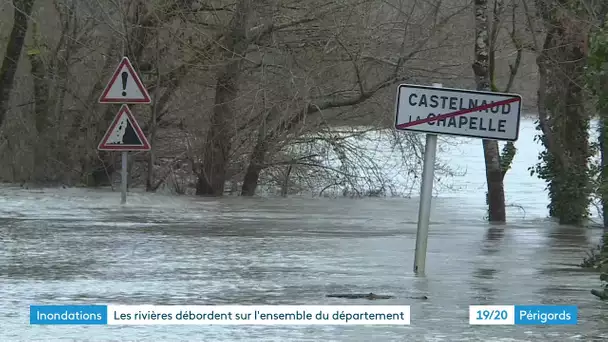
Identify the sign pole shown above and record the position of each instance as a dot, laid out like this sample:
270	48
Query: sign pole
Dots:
426	194
124	133
123	183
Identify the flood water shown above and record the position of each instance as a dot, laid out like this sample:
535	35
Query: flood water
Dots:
75	246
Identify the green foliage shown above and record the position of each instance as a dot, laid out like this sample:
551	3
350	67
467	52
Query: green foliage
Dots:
565	167
568	189
597	70
36	48
596	81
506	157
597	84
595	255
598	260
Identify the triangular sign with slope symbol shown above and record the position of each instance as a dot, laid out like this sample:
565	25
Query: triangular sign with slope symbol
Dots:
125	86
124	134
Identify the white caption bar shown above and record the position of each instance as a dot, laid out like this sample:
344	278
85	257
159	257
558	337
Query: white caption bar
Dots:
259	314
492	314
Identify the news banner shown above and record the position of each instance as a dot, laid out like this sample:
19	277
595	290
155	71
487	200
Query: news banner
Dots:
288	315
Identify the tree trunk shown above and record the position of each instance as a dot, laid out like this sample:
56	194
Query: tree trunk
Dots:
603	114
494	178
212	177
258	154
42	103
22	12
61	63
603	130
153	121
151	156
256	162
285	185
217	147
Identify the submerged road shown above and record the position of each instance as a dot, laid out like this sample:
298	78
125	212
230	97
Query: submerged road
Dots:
159	250
79	246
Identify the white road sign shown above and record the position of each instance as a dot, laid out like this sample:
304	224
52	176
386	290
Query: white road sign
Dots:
468	113
125	86
124	134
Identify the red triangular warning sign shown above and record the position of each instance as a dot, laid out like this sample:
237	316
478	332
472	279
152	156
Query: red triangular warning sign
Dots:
124	134
125	86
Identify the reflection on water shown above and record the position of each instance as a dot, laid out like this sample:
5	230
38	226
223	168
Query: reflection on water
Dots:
569	237
493	240
483	282
484	275
79	246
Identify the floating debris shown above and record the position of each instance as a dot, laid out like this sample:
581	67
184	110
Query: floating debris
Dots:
370	296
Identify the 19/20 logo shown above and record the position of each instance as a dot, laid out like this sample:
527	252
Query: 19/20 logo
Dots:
491	314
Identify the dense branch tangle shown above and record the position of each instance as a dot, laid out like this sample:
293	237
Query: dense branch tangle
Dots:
235	84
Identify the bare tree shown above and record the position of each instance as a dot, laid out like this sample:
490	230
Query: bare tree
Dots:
251	92
357	65
212	176
22	12
481	68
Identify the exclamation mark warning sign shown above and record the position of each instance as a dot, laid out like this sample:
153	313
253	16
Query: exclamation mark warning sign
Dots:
125	86
125	77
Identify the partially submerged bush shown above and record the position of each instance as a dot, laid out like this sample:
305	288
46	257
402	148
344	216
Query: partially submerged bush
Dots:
598	259
350	162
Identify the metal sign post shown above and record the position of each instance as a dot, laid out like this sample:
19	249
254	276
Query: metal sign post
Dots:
437	110
123	178
426	195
